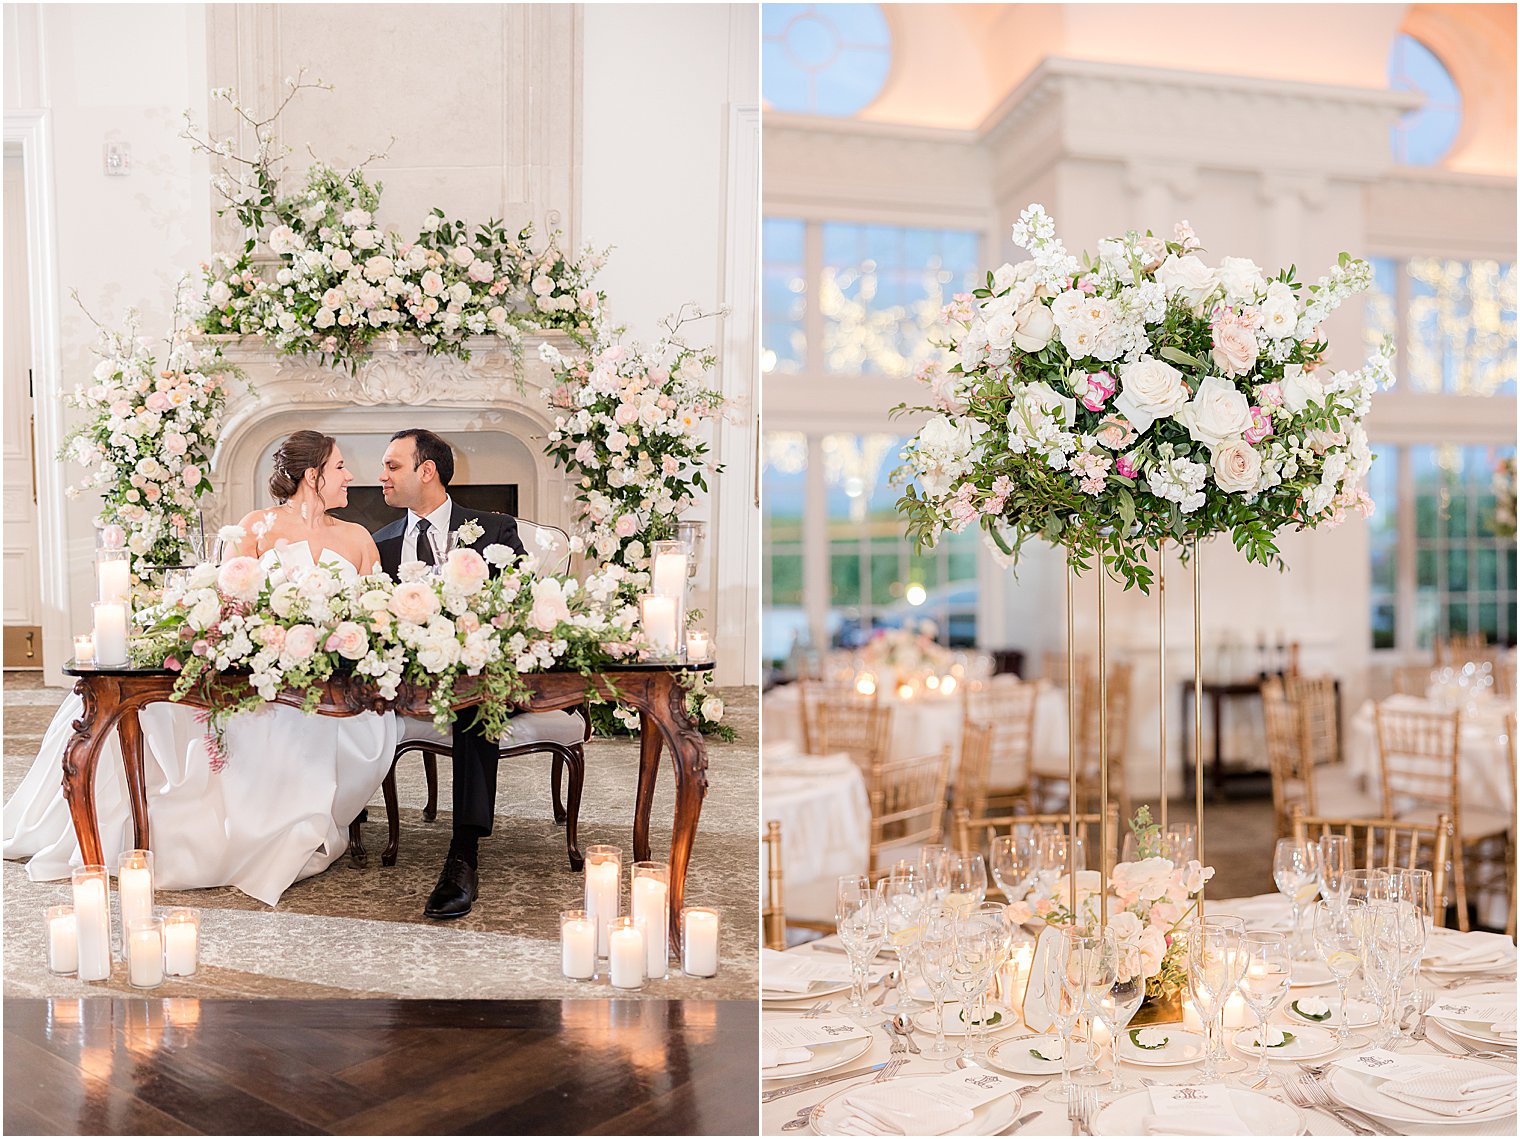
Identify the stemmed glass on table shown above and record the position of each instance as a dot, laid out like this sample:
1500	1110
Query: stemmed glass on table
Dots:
935	958
977	949
1011	858
906	898
967	883
1264	985
1334	865
1064	993
1295	869
934	869
861	917
1413	892
1216	963
1337	936
1382	963
1116	986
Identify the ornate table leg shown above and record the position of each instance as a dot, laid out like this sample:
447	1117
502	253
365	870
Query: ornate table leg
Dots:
667	712
102	697
649	774
129	730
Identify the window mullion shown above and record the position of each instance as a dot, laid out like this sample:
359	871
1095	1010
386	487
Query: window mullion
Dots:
812	314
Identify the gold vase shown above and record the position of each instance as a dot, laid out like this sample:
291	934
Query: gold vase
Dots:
1163	1009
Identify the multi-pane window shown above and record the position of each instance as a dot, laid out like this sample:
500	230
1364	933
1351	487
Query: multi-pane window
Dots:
785	456
784	289
824	59
1424	135
1457	332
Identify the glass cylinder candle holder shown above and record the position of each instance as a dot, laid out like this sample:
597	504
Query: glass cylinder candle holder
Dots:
145	953
692	535
626	955
113	575
92	920
577	945
697	646
84	649
134	886
650	906
699	941
604	873
63	940
660	619
110	633
182	942
667	568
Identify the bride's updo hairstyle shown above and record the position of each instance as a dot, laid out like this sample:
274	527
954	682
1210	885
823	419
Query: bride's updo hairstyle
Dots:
298	454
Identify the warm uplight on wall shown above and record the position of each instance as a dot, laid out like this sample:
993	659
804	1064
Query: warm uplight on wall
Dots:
916	594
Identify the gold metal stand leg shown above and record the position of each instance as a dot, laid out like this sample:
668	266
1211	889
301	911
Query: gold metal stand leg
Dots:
1102	743
1161	675
1198	709
1071	732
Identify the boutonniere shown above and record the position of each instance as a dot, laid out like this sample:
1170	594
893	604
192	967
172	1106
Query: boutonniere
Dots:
469	532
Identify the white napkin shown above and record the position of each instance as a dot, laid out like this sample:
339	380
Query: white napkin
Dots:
885	1109
776	1057
1191	1110
796	972
1449	1091
1467	948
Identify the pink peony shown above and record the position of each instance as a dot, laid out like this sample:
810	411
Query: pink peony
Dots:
414	601
241	577
300	643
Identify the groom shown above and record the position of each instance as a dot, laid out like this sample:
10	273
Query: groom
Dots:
418	466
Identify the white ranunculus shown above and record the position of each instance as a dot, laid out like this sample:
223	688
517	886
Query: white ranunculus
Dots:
1237	466
1188	278
1216	412
1241	278
1300	388
1149	389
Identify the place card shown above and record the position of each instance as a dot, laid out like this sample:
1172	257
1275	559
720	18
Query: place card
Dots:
1500	1014
777	968
1199	1108
801	1032
1385	1065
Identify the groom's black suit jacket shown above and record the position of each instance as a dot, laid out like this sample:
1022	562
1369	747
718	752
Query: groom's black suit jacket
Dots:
475	756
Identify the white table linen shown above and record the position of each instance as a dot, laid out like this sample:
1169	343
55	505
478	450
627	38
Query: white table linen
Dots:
1483	765
825	817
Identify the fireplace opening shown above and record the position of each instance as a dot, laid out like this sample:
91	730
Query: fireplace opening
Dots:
366	504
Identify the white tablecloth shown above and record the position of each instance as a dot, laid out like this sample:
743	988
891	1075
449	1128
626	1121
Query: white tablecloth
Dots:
1052	1120
825	817
1483	764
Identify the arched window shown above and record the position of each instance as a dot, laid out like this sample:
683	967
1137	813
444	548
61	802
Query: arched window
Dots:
1424	135
824	59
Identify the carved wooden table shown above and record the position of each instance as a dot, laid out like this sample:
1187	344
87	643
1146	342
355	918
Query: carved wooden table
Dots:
114	696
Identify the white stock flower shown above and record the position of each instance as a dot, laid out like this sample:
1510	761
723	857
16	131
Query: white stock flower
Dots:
942	453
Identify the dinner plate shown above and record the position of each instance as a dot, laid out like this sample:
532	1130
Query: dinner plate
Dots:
1012	1055
1263	1114
1470	1030
1182	1047
1310	1042
815	990
988	1119
955	1026
1359	1091
1359	1014
1311	975
830	1054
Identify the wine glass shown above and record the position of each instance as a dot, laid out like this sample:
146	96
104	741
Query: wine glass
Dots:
1215	964
1118	987
1382	964
967	883
1295	869
1181	841
1414	893
905	896
1264	985
1337	935
860	916
1334	862
934	868
976	955
1368	885
994	915
1011	859
934	956
1065	999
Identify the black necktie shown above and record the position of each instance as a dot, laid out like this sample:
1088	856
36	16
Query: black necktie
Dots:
424	546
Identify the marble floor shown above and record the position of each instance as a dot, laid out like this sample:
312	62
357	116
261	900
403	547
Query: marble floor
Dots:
359	932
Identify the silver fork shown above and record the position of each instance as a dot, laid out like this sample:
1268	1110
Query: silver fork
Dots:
1422	1001
1317	1092
1300	1097
805	1114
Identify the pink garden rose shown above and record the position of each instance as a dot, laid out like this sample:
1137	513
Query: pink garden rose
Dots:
241	577
549	606
626	526
157	401
1261	426
414	601
465	570
348	640
1126	466
191	476
1094	389
300	643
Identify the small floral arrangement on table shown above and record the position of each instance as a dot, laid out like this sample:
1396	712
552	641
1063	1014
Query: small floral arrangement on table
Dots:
147	445
1504	497
1115	403
340	282
1148	901
907	652
292	629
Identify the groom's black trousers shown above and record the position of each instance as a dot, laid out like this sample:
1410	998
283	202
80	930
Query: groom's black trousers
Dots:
475	761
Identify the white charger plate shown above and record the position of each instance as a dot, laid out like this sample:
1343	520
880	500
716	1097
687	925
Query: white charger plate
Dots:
988	1119
828	1055
1263	1114
816	990
1011	1055
1311	975
1183	1047
1468	1030
1358	1091
955	1026
1310	1042
1359	1014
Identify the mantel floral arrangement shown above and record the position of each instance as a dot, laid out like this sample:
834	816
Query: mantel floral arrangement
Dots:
1115	403
293	628
340	282
1149	900
147	445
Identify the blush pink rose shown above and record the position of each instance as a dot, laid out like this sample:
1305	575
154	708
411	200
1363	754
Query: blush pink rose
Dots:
241	577
1270	395
157	401
465	570
415	602
626	526
348	640
670	464
191	476
1261	426
467	622
300	643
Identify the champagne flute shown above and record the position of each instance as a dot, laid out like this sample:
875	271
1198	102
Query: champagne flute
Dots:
860	916
934	868
1334	862
905	897
1295	869
1215	964
1415	894
1381	964
1337	934
967	883
935	956
976	954
1065	1005
1118	989
1264	985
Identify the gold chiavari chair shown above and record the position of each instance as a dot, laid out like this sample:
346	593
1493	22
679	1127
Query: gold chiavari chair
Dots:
1411	680
1510	853
1418	758
816	695
1007	705
907	803
1050	787
1316	699
859	728
1389	844
974	834
1287	755
1504	678
1301	735
972	773
1458	650
773	920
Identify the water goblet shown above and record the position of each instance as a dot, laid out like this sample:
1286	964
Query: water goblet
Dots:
1337	935
1334	862
967	883
1118	987
976	954
905	896
860	916
1063	988
934	956
1011	860
934	868
1264	985
1215	965
1295	869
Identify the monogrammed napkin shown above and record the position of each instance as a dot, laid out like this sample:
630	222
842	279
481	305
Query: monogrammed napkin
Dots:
1186	1109
932	1106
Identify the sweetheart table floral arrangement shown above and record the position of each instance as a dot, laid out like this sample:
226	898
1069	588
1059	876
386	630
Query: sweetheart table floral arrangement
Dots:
1139	396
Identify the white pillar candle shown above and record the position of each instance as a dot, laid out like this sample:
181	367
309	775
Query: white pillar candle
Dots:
1237	1014
145	954
110	633
115	579
134	887
577	936
649	895
696	646
602	898
84	649
668	578
700	943
659	622
92	915
63	940
626	955
182	944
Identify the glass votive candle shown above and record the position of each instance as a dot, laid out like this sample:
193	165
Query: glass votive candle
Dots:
699	941
134	886
145	953
84	649
650	907
668	562
626	955
182	942
604	874
577	945
63	940
697	646
92	921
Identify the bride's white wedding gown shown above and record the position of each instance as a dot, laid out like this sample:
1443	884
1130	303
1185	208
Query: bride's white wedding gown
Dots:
277	812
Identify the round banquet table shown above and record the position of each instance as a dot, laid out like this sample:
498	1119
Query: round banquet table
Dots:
924	724
825	816
1267	911
1483	764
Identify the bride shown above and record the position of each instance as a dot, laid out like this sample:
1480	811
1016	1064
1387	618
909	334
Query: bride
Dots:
279	810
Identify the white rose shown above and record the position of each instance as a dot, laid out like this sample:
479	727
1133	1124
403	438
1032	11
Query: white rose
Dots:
481	271
379	267
459	292
1300	388
1237	466
712	709
283	239
356	219
1003	278
1036	325
219	294
1188	278
1241	278
1235	348
462	255
497	315
432	283
342	260
542	285
1049	401
1149	389
365	239
1216	412
325	318
1279	312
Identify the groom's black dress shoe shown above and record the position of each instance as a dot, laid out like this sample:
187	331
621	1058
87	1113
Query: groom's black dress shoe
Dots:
455	892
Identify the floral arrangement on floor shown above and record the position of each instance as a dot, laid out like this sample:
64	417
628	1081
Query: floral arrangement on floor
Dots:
907	652
1504	497
148	442
293	628
340	282
1137	397
1148	901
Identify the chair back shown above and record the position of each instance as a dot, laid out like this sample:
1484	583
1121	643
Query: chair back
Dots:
815	695
1007	706
973	772
974	834
1288	754
1458	650
857	727
1389	844
547	548
773	915
907	802
1411	680
1318	703
1417	753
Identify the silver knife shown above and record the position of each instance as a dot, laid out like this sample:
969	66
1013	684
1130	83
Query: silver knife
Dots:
778	1093
1020	1121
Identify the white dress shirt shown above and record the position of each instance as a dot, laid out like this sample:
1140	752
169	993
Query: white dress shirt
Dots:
438	520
